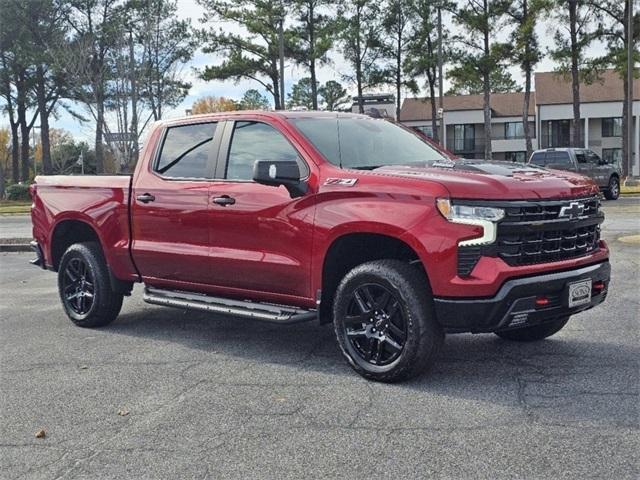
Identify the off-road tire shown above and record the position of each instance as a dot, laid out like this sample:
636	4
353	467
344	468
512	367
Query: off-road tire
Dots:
105	303
412	303
535	332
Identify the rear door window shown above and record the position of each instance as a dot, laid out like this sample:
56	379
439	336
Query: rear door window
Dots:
186	151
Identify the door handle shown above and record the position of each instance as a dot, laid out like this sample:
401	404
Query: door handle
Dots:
224	200
145	198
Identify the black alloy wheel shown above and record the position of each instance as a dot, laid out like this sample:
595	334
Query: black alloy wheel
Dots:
376	325
77	286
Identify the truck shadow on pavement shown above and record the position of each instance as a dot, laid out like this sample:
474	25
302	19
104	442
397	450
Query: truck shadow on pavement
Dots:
563	379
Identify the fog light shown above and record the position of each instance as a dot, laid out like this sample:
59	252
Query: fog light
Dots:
541	301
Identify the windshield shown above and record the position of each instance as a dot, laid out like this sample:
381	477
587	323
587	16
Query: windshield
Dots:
366	143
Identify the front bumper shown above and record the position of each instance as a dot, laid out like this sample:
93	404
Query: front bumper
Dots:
515	303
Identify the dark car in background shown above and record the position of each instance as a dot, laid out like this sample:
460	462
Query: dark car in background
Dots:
585	162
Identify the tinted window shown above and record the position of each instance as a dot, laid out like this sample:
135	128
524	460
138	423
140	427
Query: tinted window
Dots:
558	158
185	152
538	159
358	142
513	130
257	141
580	157
592	157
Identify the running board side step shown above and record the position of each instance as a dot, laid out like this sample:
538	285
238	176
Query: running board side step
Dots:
265	312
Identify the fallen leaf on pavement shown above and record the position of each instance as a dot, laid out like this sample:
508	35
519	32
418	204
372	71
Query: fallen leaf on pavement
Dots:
123	412
41	434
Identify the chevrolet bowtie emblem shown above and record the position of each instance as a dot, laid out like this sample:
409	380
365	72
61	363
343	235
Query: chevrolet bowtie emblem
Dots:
573	210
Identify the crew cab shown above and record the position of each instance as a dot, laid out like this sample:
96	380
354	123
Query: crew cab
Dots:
289	217
585	162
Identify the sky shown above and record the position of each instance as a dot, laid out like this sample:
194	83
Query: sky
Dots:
189	9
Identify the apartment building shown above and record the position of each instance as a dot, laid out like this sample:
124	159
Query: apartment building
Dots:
550	119
462	117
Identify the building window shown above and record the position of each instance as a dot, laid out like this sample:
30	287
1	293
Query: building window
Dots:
612	127
425	130
464	138
556	133
513	130
520	157
612	156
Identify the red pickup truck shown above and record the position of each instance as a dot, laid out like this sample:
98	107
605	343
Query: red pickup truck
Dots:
292	216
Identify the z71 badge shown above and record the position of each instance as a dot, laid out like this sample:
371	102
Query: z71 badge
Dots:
347	182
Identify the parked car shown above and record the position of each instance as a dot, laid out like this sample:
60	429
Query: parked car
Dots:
288	217
585	162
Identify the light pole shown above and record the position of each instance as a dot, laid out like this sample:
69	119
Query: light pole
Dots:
281	55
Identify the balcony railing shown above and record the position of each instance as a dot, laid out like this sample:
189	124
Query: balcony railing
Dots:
465	145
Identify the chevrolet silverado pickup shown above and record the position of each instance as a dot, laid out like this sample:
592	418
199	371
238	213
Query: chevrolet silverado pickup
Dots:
288	217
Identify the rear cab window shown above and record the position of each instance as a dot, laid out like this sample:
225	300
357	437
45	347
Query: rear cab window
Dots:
187	152
558	159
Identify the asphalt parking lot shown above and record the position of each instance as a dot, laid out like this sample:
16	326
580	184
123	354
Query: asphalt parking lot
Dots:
164	393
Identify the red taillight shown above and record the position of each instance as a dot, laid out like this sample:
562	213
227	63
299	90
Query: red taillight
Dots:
598	286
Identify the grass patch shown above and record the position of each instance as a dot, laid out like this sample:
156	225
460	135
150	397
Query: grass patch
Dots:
14	207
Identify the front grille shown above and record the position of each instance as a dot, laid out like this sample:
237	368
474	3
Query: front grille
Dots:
533	232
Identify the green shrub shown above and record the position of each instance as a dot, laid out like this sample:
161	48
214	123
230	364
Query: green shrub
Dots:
18	191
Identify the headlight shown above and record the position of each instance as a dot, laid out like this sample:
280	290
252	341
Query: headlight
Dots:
485	217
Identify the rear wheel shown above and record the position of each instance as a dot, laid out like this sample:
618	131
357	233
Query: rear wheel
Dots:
84	286
613	190
384	321
535	332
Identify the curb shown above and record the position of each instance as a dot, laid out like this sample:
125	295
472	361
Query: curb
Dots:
15	247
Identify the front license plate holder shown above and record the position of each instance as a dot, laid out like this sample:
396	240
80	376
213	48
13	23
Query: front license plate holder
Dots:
579	293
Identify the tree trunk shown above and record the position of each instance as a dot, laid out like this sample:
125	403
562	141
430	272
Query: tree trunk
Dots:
1	182
626	154
626	114
575	73
314	86
398	75
434	110
99	129
24	151
15	153
525	110
134	105
312	57
486	90
44	120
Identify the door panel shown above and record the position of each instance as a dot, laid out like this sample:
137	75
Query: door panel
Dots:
262	241
171	232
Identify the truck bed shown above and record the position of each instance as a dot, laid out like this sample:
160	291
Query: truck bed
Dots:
102	202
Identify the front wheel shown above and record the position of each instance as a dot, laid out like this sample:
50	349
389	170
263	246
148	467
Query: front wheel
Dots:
384	321
84	286
613	190
535	332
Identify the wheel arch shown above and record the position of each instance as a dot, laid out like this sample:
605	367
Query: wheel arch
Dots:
349	250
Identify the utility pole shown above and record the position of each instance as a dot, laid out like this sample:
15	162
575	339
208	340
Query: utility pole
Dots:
630	135
440	80
281	54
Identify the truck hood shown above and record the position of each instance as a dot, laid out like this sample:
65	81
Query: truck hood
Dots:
480	179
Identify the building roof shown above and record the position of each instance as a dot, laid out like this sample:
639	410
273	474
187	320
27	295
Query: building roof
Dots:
502	105
553	89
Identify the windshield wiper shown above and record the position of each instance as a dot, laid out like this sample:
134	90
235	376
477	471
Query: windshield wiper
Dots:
367	167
